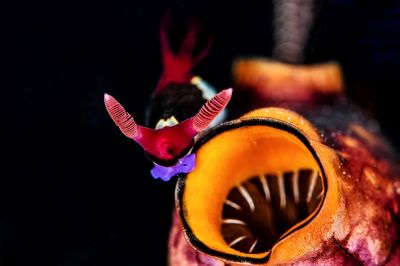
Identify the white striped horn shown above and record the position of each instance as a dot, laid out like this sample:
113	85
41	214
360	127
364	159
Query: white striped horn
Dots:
211	109
121	118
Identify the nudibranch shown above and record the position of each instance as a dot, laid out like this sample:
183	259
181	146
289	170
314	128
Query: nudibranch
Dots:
182	106
308	181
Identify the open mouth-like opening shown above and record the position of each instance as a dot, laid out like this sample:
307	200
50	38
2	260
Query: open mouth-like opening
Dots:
256	182
258	211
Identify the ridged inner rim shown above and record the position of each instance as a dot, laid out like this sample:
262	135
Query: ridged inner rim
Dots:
260	210
278	124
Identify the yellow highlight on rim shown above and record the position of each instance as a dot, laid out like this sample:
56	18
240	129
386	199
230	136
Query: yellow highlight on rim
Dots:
229	159
245	150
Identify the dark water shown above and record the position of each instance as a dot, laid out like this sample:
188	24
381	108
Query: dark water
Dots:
73	190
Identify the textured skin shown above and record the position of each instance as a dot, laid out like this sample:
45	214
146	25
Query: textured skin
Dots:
370	230
370	186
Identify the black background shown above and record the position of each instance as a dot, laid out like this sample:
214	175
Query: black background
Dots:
73	189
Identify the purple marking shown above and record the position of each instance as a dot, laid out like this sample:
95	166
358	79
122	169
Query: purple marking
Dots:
184	165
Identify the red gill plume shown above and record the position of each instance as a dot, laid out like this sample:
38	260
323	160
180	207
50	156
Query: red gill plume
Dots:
178	66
